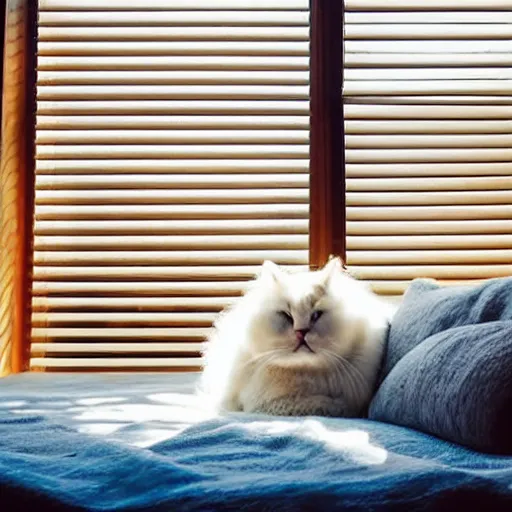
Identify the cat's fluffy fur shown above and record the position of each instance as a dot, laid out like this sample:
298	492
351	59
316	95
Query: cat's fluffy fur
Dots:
254	361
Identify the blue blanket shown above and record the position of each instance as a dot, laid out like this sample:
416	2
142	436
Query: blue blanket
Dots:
245	463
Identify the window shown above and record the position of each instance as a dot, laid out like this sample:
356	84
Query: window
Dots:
171	159
428	109
178	144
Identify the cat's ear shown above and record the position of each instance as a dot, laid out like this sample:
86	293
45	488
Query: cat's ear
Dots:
333	266
271	272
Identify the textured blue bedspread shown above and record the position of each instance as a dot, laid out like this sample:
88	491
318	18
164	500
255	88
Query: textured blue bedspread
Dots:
240	462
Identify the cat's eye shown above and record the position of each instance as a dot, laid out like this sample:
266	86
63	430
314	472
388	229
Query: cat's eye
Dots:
316	315
286	316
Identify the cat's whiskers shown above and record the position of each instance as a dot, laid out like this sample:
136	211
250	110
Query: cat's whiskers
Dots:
263	358
345	374
351	365
352	374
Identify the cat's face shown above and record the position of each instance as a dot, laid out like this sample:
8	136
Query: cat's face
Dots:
299	316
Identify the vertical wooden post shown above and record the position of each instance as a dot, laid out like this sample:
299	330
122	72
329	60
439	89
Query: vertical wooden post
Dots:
17	184
327	160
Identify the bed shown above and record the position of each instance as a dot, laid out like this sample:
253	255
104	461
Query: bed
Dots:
133	442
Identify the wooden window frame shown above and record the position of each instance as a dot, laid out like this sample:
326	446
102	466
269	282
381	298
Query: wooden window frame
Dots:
17	183
327	221
327	166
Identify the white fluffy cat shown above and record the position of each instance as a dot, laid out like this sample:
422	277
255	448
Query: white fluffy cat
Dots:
307	343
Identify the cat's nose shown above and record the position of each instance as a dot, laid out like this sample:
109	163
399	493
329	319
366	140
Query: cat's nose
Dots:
300	334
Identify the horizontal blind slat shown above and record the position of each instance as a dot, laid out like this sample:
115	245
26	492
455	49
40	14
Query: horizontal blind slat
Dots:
194	77
175	242
433	212
167	211
140	288
191	196
394	61
153	272
149	333
177	319
176	181
171	5
429	198
426	127
181	17
170	137
448	99
428	184
497	245
426	5
428	141
118	151
130	304
435	169
171	227
439	257
426	111
435	17
180	63
145	257
416	87
112	363
115	348
425	155
71	349
190	92
192	122
437	46
227	106
485	229
145	48
170	166
389	272
173	33
427	73
420	31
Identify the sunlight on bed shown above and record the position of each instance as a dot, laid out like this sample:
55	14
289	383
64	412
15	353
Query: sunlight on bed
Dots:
16	403
353	445
151	419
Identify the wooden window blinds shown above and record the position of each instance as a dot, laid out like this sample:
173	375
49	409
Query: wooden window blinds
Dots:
172	158
428	132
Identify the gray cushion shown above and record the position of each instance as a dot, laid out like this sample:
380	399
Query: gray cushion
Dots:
448	368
